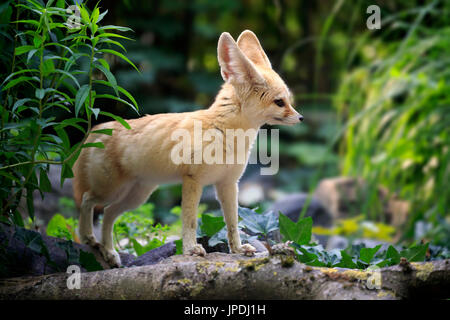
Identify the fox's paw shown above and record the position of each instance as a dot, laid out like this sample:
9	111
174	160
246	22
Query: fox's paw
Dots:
247	250
90	240
111	257
196	250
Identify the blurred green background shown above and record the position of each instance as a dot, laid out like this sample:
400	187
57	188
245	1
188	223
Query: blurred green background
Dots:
376	102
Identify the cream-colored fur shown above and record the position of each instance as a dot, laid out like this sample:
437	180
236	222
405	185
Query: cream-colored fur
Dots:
134	162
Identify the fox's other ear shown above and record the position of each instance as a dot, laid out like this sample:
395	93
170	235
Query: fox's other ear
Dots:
250	46
234	65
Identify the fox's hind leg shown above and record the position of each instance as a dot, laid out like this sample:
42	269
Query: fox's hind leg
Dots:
86	220
136	196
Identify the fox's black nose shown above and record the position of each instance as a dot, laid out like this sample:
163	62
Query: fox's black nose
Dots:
300	117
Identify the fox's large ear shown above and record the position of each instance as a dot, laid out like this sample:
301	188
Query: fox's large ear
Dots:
234	65
250	46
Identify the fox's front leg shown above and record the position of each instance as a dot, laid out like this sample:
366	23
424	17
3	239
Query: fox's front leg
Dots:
227	194
191	193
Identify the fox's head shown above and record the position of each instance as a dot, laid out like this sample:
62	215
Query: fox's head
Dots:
263	94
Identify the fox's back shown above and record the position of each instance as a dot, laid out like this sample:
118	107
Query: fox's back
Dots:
144	153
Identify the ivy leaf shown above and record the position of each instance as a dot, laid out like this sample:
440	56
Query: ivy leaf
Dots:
71	253
88	261
211	225
299	232
393	255
219	237
260	223
346	261
366	254
415	253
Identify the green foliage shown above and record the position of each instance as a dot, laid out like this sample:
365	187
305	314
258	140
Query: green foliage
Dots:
53	83
211	225
395	109
34	241
136	232
258	223
253	224
299	232
63	228
354	257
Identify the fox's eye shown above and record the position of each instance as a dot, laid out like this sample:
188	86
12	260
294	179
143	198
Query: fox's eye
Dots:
279	102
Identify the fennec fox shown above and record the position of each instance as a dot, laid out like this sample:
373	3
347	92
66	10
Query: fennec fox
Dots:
134	162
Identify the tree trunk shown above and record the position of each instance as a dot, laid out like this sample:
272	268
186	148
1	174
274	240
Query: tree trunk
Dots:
229	276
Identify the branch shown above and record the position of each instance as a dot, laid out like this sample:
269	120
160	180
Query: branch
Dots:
230	276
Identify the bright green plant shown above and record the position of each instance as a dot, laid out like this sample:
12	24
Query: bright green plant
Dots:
354	257
253	224
135	231
64	228
395	110
55	81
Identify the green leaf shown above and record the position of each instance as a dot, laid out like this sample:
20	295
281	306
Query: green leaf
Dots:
179	246
33	22
211	225
84	14
23	49
37	41
88	261
95	15
138	248
299	232
67	74
415	253
219	237
123	91
21	79
44	183
40	93
120	56
66	172
111	27
347	261
30	203
108	132
109	96
94	145
393	255
71	253
80	98
20	103
101	16
17	219
57	226
366	254
109	76
117	118
107	40
258	223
